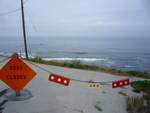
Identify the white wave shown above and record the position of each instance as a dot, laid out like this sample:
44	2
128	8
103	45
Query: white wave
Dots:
76	59
23	55
128	66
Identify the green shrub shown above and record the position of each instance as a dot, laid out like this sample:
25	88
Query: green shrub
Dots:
139	74
55	62
141	86
136	90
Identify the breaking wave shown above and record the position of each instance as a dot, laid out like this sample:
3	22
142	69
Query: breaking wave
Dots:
76	59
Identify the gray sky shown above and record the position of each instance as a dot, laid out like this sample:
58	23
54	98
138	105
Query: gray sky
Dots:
78	18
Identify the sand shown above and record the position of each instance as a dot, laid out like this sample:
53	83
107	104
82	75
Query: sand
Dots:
49	97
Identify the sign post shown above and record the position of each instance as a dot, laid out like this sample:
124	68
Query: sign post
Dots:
18	94
17	74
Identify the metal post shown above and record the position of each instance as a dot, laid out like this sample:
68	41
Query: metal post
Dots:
18	94
24	30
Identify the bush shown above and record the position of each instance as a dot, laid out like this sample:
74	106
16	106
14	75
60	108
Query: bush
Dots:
139	74
136	90
141	86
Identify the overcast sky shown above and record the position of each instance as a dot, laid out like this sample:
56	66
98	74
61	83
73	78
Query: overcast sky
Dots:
77	18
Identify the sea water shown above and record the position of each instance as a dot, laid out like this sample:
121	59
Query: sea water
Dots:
111	52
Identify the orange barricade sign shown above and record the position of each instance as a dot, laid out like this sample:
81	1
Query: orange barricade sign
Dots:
16	74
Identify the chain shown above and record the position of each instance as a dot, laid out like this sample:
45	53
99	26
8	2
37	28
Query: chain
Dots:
83	81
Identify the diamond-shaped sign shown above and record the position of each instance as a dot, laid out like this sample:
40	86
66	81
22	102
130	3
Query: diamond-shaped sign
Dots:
16	74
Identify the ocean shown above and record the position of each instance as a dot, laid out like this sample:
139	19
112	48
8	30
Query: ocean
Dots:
117	53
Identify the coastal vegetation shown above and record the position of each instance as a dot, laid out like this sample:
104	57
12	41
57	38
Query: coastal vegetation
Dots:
141	86
139	104
135	104
79	65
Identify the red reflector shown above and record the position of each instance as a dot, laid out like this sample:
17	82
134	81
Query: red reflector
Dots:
59	79
120	83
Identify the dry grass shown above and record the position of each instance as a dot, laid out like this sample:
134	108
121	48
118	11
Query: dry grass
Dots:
135	104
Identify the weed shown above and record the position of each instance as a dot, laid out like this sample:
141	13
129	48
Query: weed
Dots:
98	108
122	93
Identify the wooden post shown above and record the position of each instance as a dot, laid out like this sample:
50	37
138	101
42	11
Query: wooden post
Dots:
24	29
